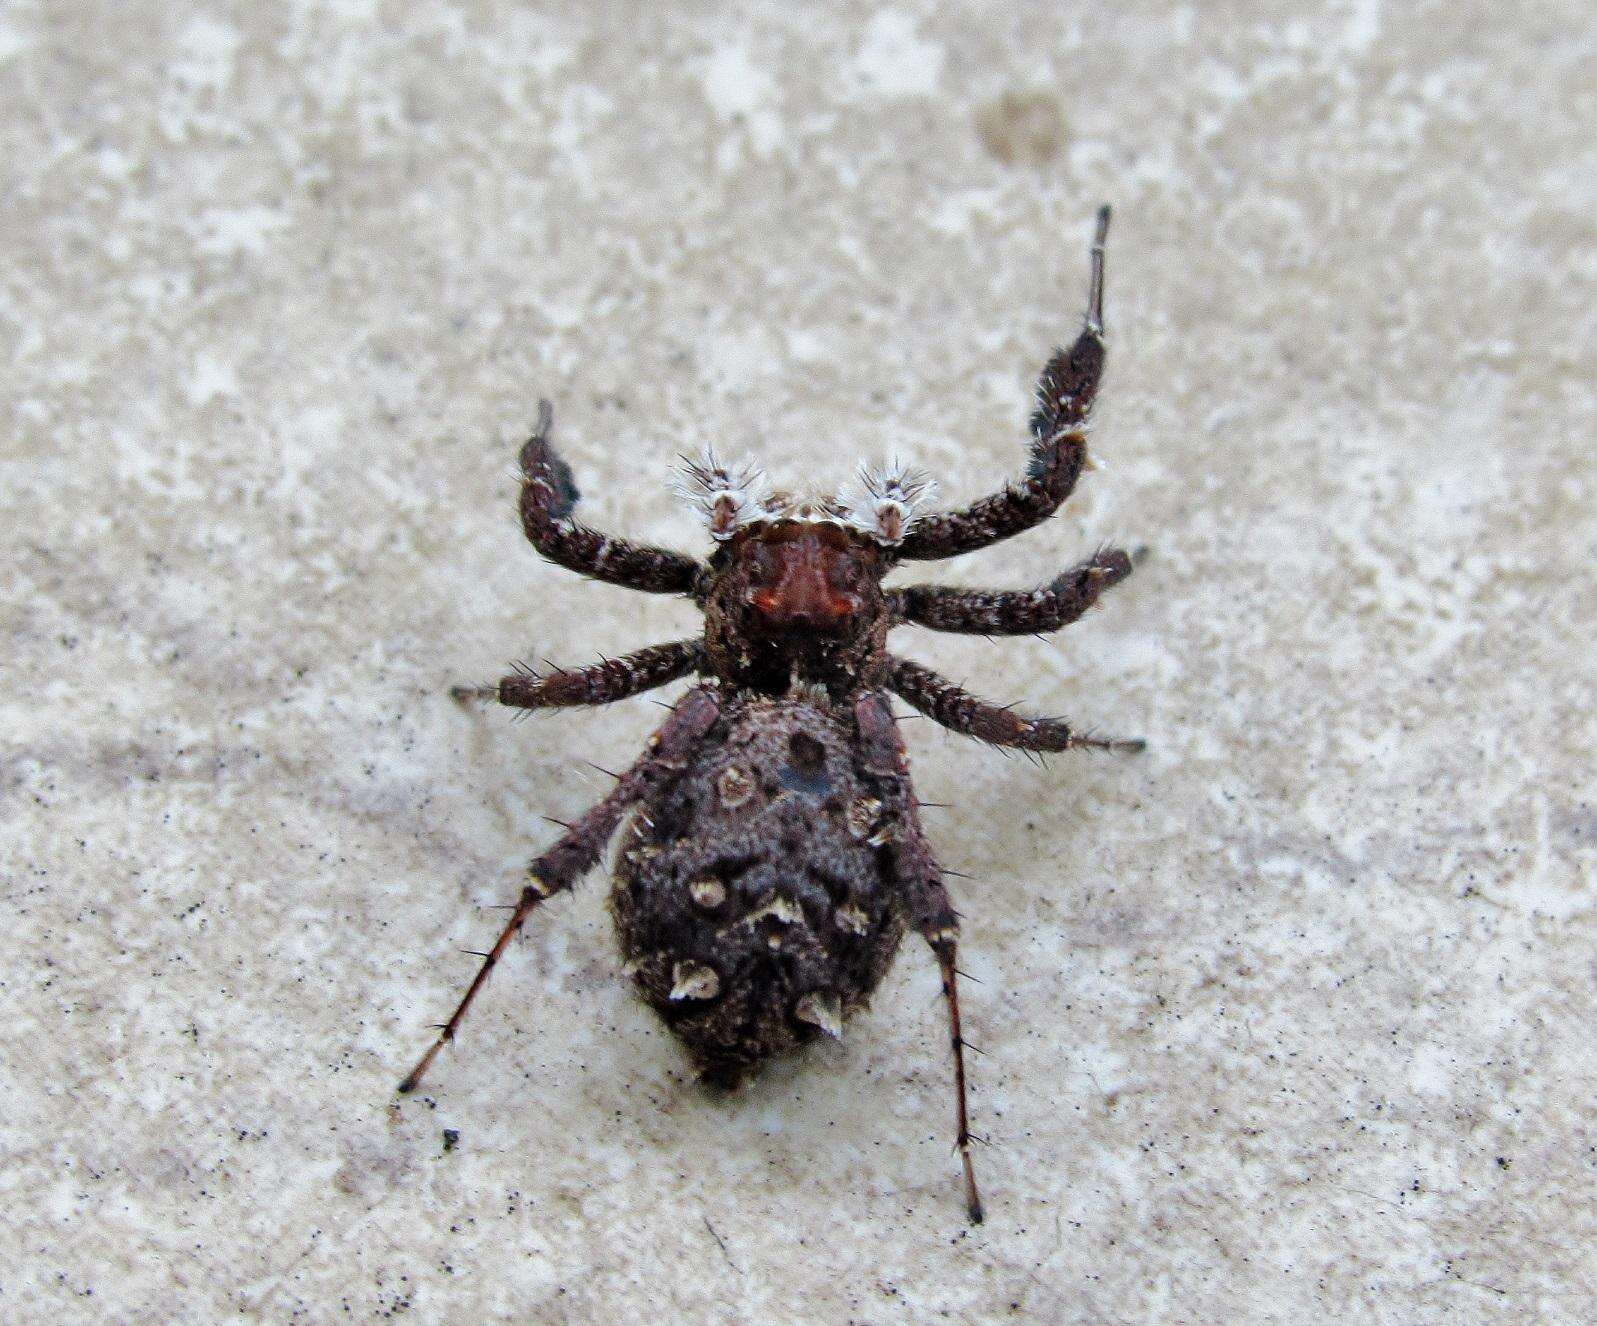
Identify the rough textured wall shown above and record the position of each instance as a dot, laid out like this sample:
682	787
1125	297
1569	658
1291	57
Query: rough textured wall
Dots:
1287	1020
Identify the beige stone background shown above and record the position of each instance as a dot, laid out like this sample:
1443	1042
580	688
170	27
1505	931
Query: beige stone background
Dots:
1289	1020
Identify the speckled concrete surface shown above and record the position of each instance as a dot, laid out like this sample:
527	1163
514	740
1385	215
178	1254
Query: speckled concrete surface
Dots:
1289	1020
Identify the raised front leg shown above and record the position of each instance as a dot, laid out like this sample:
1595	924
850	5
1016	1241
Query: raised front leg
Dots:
1065	393
1010	612
548	496
580	846
926	900
598	683
957	709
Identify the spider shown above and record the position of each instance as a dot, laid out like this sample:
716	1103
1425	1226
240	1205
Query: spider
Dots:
771	852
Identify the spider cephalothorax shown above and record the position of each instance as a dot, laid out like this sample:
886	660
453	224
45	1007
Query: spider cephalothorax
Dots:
773	854
794	601
793	592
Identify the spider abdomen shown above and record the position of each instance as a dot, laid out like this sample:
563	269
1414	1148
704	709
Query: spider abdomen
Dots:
753	894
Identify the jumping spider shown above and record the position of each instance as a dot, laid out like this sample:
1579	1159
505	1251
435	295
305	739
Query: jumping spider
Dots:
773	853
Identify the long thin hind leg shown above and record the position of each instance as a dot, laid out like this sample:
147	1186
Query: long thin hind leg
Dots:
581	845
548	497
598	683
1065	393
926	900
946	950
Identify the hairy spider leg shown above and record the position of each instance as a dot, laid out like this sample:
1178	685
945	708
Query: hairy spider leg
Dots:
1010	611
926	899
960	711
947	951
581	845
598	683
548	498
1065	394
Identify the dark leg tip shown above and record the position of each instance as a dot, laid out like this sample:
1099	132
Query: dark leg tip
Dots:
407	1086
1132	746
976	1213
1114	564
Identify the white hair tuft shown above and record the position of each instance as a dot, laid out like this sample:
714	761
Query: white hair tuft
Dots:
886	502
727	496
